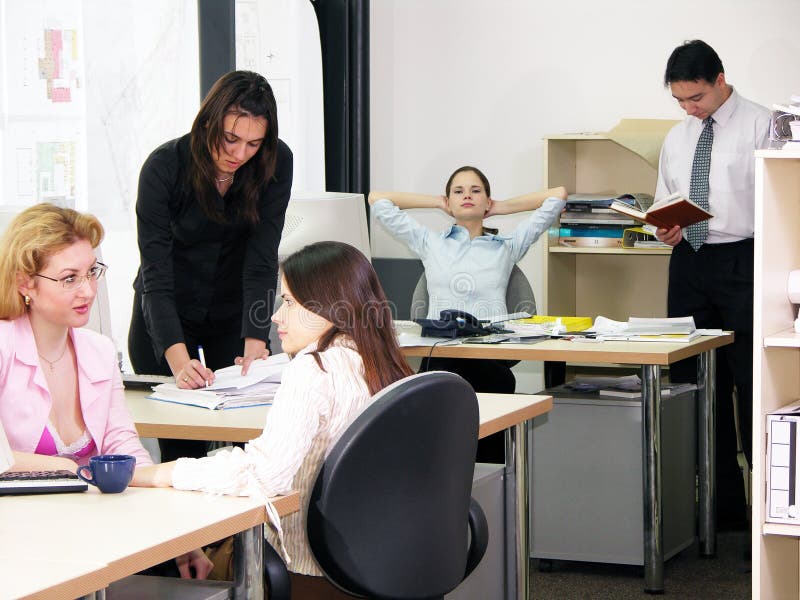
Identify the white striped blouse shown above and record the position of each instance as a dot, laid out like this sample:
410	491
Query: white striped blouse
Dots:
311	409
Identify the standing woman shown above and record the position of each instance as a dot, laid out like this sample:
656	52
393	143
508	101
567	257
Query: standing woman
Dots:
210	212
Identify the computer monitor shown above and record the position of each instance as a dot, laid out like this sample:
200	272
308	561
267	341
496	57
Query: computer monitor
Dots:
324	216
318	217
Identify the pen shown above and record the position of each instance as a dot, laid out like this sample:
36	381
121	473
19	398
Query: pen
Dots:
202	356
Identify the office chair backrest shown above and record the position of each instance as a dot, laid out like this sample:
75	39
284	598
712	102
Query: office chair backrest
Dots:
388	515
519	295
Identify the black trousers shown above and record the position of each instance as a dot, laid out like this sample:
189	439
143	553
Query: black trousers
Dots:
484	375
715	286
222	342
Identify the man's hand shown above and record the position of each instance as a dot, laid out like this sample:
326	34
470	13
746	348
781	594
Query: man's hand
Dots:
197	560
672	236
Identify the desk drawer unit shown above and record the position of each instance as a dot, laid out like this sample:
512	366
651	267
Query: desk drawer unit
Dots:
586	480
488	579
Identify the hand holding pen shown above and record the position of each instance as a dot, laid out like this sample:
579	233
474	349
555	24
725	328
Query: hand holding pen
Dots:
202	356
195	374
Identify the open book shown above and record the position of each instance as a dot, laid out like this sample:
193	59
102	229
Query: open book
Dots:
231	389
667	212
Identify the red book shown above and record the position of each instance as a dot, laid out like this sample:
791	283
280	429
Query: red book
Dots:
666	213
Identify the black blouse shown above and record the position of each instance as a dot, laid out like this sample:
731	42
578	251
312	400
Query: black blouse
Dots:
198	272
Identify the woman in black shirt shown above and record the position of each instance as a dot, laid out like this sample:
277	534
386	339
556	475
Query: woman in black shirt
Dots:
210	211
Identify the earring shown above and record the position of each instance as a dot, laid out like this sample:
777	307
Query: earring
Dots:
27	300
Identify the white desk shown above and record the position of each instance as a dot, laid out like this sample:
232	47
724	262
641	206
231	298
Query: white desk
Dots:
68	545
651	356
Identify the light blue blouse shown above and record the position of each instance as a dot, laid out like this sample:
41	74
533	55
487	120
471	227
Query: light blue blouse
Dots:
469	275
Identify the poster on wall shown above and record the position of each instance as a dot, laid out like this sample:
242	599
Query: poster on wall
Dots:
43	122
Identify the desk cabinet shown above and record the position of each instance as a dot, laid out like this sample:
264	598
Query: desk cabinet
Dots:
612	282
776	358
488	580
586	478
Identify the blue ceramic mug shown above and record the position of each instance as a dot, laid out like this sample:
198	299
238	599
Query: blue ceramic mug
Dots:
111	473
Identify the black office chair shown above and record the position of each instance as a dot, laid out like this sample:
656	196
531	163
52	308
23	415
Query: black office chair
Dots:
390	514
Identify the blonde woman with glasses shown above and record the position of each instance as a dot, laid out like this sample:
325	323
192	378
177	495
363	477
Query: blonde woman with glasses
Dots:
61	395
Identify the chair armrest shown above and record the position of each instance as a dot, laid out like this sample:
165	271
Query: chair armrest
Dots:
479	536
277	584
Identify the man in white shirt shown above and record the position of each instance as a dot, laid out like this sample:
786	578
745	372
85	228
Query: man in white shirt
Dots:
709	155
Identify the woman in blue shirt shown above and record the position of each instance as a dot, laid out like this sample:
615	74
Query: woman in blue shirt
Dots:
468	266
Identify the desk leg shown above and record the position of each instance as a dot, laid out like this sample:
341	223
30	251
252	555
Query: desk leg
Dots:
651	471
706	443
248	563
516	486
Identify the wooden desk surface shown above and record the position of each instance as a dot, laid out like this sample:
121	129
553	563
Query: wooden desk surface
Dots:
35	578
154	418
92	539
634	353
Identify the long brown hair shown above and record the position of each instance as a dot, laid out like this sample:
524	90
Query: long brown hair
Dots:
31	239
241	93
337	282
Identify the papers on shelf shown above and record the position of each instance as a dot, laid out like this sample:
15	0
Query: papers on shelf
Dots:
629	386
230	389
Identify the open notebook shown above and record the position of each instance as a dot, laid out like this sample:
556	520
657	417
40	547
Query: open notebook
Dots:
33	482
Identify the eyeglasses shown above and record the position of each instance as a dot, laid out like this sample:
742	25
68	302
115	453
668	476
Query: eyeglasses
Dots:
74	282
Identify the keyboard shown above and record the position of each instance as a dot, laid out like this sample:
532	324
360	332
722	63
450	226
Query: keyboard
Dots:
40	482
135	381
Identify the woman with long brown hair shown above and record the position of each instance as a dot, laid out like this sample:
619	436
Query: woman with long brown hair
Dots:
336	323
210	212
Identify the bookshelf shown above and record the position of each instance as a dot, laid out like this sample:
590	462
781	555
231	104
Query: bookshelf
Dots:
776	358
613	282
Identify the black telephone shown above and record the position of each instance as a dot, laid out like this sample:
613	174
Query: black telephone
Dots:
452	323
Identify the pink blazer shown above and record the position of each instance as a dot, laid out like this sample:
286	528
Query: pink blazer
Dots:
25	400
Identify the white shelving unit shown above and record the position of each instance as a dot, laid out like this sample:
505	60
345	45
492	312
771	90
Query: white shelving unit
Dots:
613	282
776	358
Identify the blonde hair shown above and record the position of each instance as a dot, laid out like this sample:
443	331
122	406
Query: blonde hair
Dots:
31	239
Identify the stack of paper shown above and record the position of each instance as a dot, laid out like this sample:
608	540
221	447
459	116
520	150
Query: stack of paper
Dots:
544	325
231	389
676	329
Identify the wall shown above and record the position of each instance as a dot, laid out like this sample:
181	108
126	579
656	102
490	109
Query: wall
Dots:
457	82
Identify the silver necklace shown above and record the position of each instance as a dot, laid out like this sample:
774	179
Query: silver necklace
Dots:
225	179
52	363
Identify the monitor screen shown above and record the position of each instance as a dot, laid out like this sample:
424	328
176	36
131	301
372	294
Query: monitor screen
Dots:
321	216
324	216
